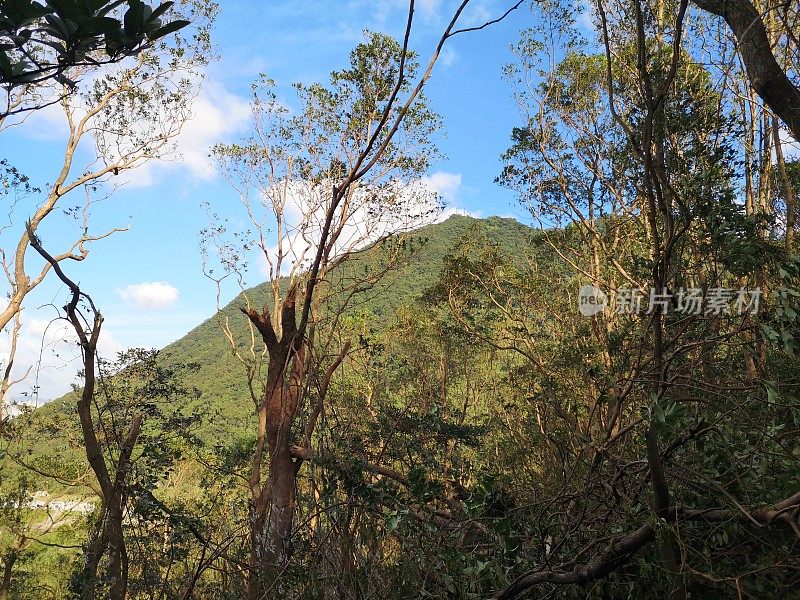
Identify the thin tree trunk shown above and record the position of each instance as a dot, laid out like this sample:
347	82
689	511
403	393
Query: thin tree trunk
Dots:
786	187
117	571
108	535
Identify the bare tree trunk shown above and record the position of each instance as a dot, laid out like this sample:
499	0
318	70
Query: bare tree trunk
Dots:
282	483
273	503
117	571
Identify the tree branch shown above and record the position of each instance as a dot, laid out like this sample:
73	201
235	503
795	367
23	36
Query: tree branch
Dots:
621	549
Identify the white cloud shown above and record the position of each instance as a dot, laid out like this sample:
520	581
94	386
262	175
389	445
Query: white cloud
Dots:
149	295
216	115
447	185
479	12
413	205
364	218
448	57
50	123
584	12
47	124
430	8
791	147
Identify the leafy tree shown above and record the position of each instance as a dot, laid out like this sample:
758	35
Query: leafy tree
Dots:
335	161
344	162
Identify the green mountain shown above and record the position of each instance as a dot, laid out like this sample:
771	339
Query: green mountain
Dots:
207	364
219	376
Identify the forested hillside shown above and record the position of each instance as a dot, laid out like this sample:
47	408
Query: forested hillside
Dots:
216	382
218	376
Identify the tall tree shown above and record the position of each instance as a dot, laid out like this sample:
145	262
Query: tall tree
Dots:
333	179
345	163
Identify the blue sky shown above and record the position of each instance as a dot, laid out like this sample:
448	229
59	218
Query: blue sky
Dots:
148	281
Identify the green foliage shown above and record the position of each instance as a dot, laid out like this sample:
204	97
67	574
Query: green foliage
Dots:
43	41
782	327
450	454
